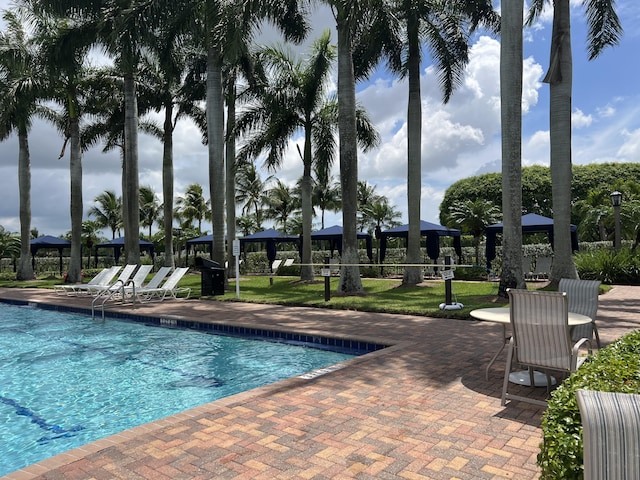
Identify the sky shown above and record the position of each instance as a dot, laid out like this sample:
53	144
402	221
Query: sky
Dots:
460	139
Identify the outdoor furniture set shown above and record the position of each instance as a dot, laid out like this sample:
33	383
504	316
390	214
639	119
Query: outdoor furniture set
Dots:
547	331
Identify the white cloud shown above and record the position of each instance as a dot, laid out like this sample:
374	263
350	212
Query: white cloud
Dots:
630	149
606	112
580	120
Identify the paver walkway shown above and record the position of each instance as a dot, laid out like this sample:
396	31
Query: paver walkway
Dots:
420	409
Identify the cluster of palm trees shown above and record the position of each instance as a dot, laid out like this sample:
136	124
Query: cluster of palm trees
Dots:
195	58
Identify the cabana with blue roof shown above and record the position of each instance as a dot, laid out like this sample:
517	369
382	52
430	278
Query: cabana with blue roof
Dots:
431	231
333	235
270	238
531	223
48	242
117	244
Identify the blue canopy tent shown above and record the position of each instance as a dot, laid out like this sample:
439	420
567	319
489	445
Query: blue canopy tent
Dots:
118	244
48	242
333	235
531	223
270	238
204	240
431	231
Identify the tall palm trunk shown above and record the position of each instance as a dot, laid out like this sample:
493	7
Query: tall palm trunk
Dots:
306	270
350	282
560	78
167	185
215	133
25	269
230	179
413	275
511	118
74	272
131	190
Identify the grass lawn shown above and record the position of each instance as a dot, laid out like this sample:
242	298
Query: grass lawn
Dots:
382	295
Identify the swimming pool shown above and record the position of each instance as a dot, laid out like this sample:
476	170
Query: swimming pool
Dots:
66	380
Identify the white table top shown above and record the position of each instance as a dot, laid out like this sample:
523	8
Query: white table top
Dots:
501	315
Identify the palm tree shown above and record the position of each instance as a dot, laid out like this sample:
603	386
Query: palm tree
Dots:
90	229
172	74
281	204
251	192
379	214
108	211
473	217
247	225
511	118
64	51
326	194
295	98
150	207
593	212
225	27
193	206
441	25
9	244
21	87
604	30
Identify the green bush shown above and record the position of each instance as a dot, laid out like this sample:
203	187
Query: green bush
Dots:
615	368
609	266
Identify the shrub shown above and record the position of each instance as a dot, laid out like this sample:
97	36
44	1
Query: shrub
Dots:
615	368
609	266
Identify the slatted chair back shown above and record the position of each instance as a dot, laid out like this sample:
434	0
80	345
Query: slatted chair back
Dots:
540	322
141	275
611	434
157	279
583	298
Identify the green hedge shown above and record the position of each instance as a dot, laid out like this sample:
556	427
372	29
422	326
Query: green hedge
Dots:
615	368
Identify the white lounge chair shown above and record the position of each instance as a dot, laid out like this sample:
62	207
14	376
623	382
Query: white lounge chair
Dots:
169	288
103	278
122	279
131	291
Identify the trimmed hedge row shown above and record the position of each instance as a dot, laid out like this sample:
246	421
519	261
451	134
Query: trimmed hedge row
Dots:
615	368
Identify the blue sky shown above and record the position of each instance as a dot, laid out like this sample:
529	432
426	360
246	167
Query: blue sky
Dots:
460	139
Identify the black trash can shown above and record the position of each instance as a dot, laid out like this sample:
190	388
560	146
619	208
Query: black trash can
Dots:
212	277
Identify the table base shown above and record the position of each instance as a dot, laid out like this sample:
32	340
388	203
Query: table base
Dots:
522	378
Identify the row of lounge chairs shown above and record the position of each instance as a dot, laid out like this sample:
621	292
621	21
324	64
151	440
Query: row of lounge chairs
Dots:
129	286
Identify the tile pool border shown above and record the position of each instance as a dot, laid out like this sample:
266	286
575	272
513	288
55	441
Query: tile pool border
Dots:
334	344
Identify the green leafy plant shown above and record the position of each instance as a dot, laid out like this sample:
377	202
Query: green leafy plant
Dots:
615	368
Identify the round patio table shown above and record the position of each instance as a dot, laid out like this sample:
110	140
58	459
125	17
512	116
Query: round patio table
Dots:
501	315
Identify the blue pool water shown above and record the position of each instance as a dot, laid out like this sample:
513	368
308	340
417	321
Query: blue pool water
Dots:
66	380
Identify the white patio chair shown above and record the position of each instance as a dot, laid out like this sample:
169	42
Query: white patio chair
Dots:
583	298
541	339
610	434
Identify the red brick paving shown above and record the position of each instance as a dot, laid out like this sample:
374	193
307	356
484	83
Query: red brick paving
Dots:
420	409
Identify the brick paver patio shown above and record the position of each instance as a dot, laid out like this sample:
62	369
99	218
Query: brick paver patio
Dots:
420	409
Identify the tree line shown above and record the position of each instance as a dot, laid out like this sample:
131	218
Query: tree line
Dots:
197	58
